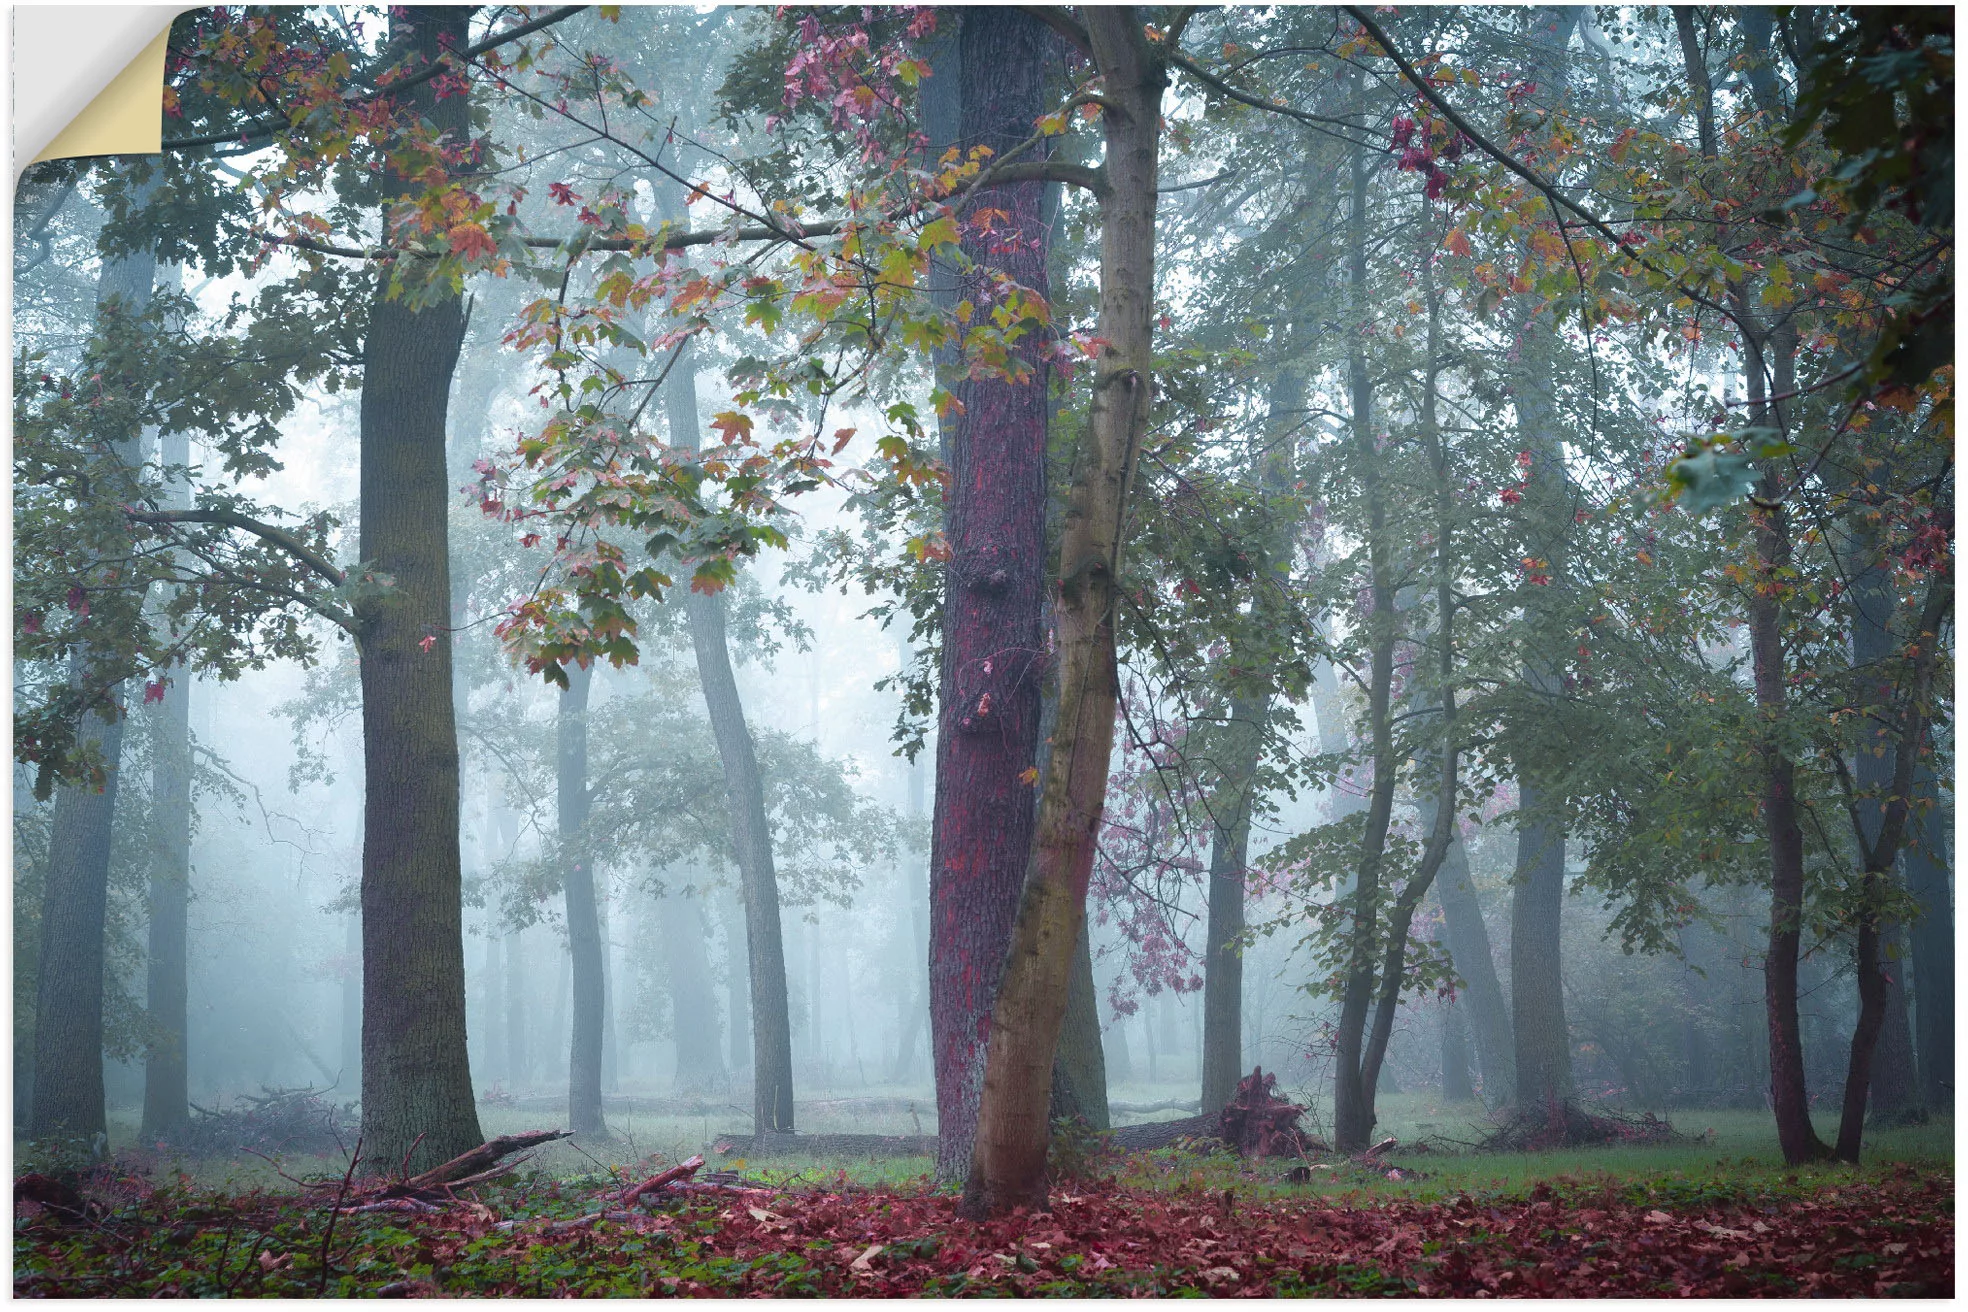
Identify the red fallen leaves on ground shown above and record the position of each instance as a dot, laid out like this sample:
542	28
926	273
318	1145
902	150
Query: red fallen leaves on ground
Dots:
1858	1241
1864	1239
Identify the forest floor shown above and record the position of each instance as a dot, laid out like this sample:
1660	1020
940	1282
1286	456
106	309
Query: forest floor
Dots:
1716	1214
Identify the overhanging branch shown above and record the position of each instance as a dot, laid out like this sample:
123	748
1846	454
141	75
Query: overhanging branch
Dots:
271	534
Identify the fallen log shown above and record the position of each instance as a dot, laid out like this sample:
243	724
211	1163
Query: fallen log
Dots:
1162	1134
1148	1108
475	1163
679	1172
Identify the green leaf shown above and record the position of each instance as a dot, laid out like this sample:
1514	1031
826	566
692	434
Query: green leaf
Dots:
1707	479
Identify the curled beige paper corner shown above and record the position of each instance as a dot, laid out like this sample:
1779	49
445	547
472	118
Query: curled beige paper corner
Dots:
126	117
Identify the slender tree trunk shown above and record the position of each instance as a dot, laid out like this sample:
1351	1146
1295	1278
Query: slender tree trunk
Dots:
167	1091
583	914
737	985
1469	949
1931	938
751	831
1362	1056
994	601
751	840
693	1000
67	1096
1788	1097
1456	1087
610	1048
1895	1092
1223	980
1908	715
1008	1168
519	1055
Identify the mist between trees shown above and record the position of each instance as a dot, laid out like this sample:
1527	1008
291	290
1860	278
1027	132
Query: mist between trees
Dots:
990	567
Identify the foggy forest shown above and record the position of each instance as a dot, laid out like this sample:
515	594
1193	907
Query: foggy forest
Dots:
1243	651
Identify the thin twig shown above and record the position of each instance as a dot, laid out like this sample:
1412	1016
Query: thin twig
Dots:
328	1235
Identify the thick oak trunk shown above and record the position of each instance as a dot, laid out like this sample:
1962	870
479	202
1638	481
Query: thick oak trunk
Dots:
416	1074
1008	1168
994	602
583	915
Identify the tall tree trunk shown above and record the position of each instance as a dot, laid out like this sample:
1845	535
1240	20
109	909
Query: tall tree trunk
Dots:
610	1048
519	1056
67	1097
417	1107
1456	1087
1359	1051
1469	949
1223	980
751	841
737	984
751	831
1008	1168
1240	754
167	1091
1079	1071
1908	715
1788	1097
583	915
1895	1090
1543	1067
693	1000
994	601
1931	943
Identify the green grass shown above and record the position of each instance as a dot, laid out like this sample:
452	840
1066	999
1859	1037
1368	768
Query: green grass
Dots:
1736	1151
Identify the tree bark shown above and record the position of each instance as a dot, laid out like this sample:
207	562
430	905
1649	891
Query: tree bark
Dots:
1908	715
416	1075
1931	942
1079	1071
1456	1085
994	601
1469	950
1008	1168
737	984
67	1098
1223	979
167	1091
1788	1096
583	914
1895	1091
1543	1066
